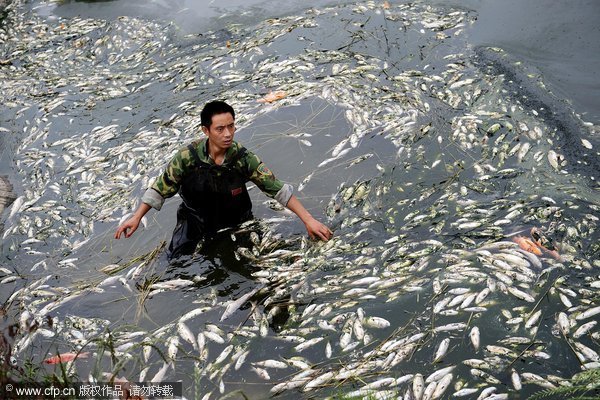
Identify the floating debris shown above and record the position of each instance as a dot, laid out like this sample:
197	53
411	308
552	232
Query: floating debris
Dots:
273	96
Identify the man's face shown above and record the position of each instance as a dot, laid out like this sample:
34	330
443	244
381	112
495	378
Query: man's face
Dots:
221	130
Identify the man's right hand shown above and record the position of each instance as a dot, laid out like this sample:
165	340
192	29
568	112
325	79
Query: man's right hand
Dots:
127	227
130	225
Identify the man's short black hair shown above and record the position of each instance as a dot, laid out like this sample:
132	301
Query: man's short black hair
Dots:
213	108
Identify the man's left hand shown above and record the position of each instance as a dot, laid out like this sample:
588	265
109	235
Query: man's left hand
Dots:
317	230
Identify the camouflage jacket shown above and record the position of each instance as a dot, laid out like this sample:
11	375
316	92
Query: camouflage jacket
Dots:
167	184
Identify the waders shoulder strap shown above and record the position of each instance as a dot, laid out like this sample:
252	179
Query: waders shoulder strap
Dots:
241	152
195	156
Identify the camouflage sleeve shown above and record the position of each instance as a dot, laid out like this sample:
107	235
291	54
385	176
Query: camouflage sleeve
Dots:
153	198
266	181
167	184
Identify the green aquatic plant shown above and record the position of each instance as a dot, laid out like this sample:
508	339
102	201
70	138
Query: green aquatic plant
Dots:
584	386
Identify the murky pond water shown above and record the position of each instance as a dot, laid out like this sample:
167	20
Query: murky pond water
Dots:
432	159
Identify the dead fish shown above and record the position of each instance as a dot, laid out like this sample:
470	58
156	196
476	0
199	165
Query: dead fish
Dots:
172	284
583	329
235	305
474	335
442	349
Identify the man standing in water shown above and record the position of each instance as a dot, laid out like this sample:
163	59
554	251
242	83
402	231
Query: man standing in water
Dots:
210	175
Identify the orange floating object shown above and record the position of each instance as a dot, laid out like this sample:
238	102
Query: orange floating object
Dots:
527	245
65	357
273	96
386	5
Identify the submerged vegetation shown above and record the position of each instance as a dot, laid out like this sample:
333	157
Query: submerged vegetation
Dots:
583	386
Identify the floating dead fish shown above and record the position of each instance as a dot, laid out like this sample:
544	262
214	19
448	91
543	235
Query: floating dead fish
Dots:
172	284
235	305
65	357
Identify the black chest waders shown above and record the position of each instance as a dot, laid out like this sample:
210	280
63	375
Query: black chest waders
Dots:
214	197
